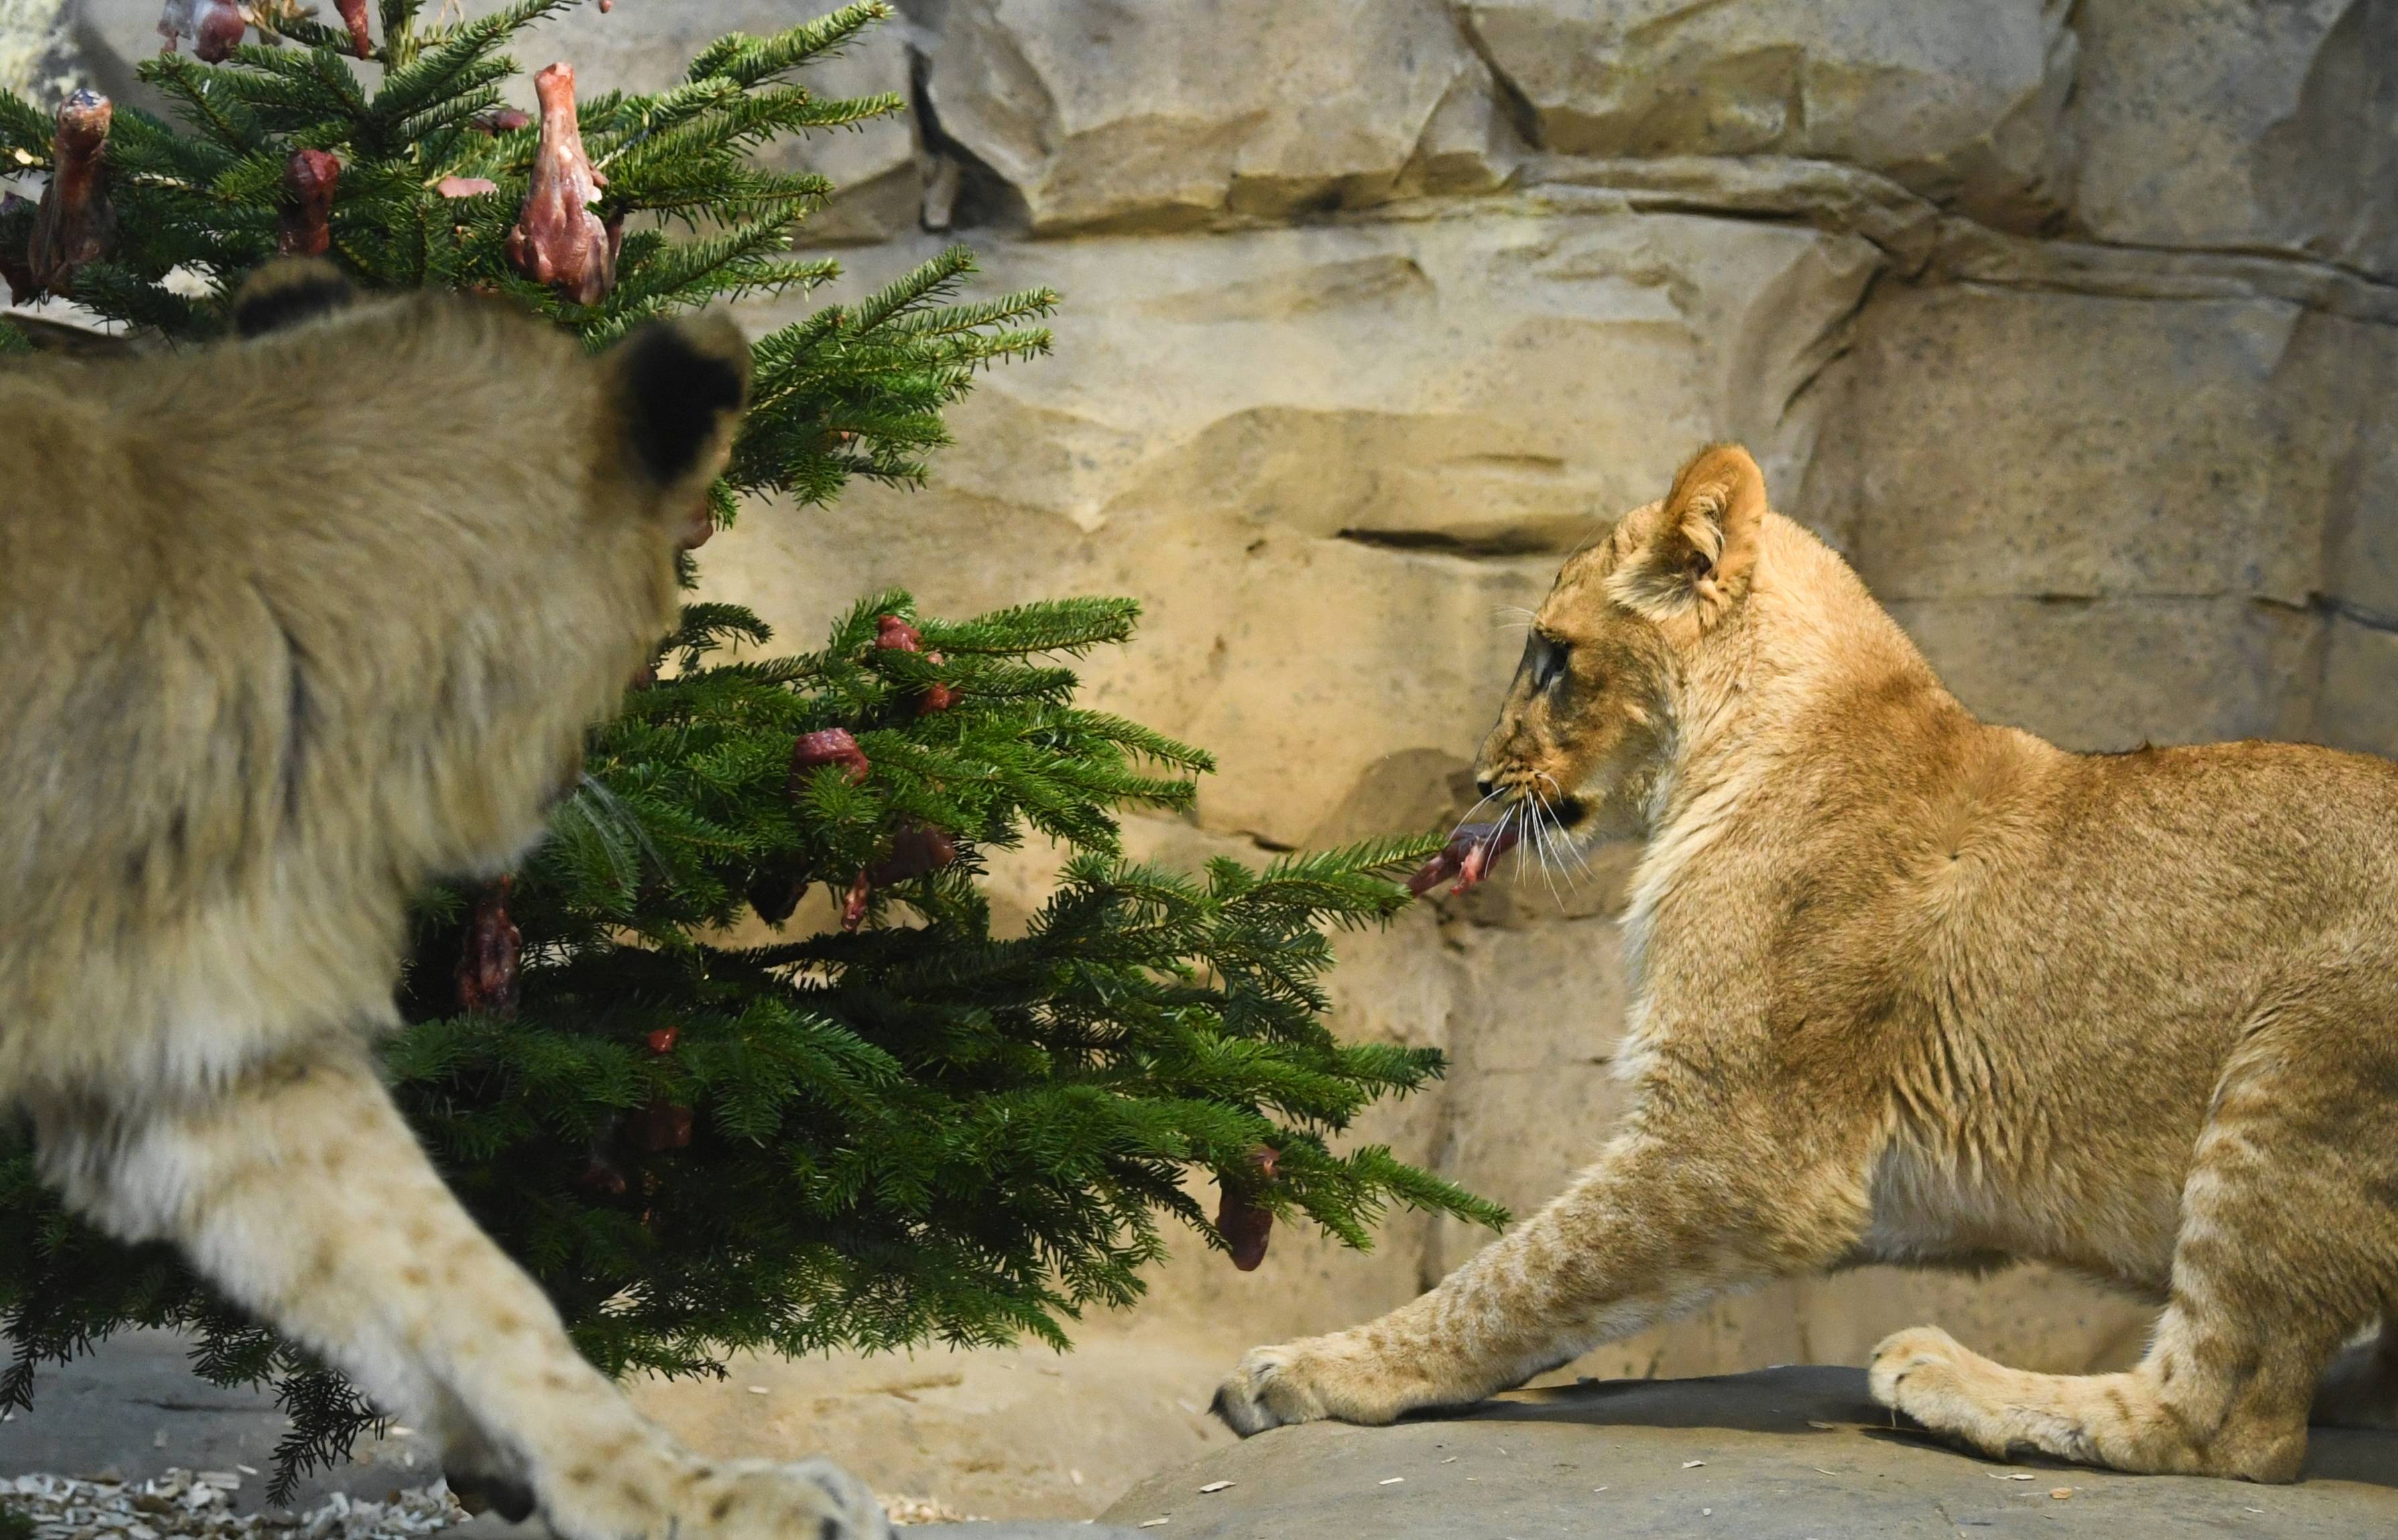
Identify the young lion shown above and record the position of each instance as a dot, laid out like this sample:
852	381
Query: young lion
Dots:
293	624
1909	988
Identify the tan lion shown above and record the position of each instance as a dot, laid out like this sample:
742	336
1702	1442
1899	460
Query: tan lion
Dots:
1910	987
289	626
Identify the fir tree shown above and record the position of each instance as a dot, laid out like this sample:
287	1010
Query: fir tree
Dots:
904	1129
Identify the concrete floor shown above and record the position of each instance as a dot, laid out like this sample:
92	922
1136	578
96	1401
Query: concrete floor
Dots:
1799	1454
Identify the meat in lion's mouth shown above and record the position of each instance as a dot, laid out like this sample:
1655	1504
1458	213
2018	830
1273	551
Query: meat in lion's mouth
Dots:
1467	856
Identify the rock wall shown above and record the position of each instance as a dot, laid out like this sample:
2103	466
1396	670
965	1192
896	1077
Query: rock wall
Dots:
2075	325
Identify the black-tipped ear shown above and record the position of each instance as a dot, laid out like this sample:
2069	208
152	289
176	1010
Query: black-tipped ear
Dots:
680	385
288	292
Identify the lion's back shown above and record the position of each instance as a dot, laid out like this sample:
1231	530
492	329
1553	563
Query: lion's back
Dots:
250	598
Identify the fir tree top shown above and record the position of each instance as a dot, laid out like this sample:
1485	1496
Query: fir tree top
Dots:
853	390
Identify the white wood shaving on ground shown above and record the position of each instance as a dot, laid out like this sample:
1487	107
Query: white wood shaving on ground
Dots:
197	1505
924	1510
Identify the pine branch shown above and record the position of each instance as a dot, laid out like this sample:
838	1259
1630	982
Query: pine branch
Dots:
748	61
25	133
207	100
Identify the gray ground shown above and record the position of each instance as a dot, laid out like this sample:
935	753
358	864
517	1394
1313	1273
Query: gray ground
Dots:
1782	1454
136	1408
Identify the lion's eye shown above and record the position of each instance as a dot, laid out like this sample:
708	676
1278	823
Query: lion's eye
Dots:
1548	660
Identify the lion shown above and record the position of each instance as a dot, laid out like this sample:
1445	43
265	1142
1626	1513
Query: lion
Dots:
1911	987
293	624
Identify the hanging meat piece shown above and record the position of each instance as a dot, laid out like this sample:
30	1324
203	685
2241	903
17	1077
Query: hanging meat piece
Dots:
487	963
309	178
916	849
76	224
832	746
1245	1225
354	15
558	240
215	27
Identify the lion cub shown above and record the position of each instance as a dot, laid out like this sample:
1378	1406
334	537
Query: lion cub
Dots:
1910	987
289	627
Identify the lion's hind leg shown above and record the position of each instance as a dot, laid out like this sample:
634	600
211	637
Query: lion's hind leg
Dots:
2287	1241
303	1194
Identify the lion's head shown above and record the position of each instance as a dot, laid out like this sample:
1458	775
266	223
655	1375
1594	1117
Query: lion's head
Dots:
1588	727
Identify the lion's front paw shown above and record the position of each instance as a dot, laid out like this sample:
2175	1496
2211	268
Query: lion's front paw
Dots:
1916	1365
760	1500
727	1500
1923	1373
1940	1383
1304	1382
1263	1391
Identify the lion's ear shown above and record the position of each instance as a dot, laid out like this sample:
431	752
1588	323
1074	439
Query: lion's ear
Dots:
680	387
288	292
1695	555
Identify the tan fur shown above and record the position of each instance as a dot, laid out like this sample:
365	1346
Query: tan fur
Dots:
1909	988
287	628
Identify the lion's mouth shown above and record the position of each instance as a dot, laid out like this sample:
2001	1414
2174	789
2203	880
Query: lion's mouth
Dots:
1475	848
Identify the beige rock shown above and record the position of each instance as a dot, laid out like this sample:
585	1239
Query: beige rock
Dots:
2217	123
1152	115
1534	1018
2032	444
2110	518
996	1433
2358	708
1955	101
1328	460
2362	572
2114	673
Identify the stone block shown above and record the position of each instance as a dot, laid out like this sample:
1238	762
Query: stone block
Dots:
1957	101
2358	706
2114	673
1534	1016
2217	123
2032	443
1102	115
